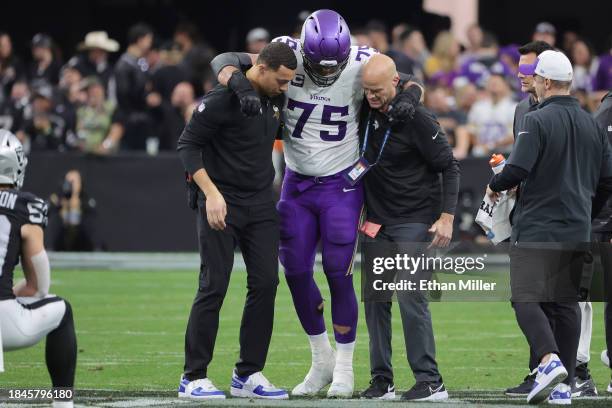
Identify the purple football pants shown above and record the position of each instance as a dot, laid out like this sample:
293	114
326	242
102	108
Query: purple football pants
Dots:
325	209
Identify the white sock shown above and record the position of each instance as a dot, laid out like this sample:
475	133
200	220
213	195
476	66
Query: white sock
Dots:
319	344
62	404
344	354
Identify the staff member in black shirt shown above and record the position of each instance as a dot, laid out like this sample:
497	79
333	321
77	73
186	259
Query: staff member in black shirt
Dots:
402	194
602	233
229	157
529	52
563	159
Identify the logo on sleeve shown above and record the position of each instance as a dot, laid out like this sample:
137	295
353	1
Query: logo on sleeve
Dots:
201	107
521	132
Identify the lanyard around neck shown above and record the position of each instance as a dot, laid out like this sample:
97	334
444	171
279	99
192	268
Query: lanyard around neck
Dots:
365	140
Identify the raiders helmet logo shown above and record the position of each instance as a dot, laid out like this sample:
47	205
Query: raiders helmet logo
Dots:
20	155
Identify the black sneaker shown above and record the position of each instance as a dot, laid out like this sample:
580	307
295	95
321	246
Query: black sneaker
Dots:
583	387
524	388
426	391
380	388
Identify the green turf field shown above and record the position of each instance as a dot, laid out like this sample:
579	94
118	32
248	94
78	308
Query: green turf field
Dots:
130	327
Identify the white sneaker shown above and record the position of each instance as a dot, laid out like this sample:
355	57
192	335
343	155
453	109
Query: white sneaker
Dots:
319	376
199	389
549	375
255	386
604	358
561	395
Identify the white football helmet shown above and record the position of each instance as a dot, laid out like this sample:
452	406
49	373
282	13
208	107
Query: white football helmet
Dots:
13	161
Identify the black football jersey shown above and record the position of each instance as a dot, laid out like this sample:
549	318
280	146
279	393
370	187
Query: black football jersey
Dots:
16	209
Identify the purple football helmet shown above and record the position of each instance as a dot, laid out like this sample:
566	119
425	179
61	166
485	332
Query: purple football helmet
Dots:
326	46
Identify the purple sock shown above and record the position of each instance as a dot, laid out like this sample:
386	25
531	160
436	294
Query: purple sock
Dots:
344	306
306	299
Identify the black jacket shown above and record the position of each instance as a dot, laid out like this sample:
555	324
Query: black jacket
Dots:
405	184
236	151
568	165
603	116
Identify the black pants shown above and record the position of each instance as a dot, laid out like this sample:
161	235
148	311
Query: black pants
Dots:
602	240
545	284
255	230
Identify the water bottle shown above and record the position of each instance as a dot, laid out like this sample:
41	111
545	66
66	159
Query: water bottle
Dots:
497	162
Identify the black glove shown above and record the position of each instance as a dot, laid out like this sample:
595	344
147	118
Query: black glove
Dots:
403	106
250	104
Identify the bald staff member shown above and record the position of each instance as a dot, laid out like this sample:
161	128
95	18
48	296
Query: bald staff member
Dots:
402	162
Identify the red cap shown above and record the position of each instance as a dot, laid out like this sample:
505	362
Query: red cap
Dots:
496	159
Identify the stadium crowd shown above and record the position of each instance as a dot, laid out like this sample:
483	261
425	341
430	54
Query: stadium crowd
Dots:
102	100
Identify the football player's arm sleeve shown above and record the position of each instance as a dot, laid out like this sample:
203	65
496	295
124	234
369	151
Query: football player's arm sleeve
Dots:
224	65
201	128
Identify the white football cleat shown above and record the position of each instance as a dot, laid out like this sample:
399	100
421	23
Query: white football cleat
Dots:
319	376
199	389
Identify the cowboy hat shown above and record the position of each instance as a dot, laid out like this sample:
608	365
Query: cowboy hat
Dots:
99	40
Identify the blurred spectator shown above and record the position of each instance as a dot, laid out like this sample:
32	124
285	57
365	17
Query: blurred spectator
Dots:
68	98
474	36
396	33
440	102
176	115
360	38
134	98
603	78
545	32
569	37
441	66
11	67
466	94
94	57
478	68
169	71
377	31
97	120
257	39
196	57
585	65
45	67
412	44
490	120
45	130
12	109
72	216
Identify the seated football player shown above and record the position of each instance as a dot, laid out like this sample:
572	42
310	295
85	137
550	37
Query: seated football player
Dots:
27	312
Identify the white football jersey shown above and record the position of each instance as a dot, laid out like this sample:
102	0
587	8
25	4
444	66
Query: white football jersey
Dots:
321	137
